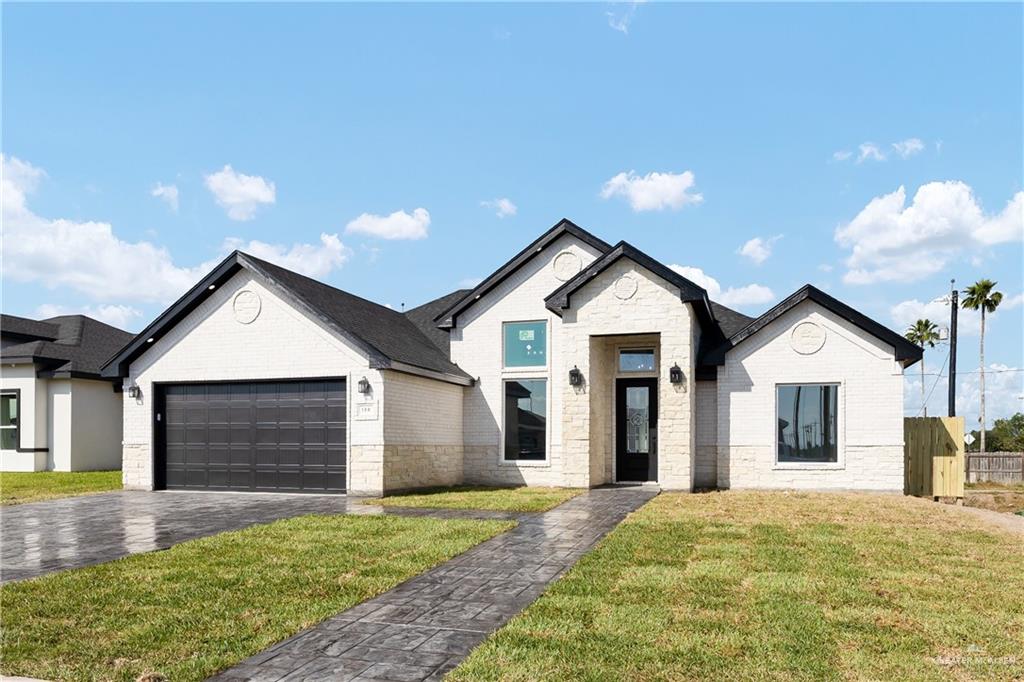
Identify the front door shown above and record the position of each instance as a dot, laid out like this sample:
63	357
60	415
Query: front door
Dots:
636	430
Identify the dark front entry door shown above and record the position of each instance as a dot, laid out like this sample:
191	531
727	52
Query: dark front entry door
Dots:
636	430
268	436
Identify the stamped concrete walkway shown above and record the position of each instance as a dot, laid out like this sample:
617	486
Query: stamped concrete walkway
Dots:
43	537
423	628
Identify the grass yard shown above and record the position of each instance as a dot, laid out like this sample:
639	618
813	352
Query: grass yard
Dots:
204	605
776	586
16	488
1000	497
522	499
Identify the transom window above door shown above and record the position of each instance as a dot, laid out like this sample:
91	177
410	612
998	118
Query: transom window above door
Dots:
636	360
526	344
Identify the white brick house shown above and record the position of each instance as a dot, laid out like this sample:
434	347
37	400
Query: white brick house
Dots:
577	363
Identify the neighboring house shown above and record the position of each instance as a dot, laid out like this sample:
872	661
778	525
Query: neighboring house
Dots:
56	412
577	363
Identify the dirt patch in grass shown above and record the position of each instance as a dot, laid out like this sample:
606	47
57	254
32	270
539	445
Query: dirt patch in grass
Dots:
518	499
205	605
1008	501
16	488
777	586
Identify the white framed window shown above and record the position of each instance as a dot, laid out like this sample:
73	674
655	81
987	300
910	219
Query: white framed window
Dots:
525	428
10	419
525	344
807	424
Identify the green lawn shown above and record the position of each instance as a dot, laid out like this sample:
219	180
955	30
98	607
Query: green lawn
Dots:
16	488
204	605
522	499
775	586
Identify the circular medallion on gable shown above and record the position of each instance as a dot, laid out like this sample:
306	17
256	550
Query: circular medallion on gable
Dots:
566	265
246	306
624	287
807	338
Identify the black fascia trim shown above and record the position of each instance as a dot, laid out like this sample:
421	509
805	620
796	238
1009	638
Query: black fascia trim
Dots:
117	365
905	351
560	298
446	320
377	359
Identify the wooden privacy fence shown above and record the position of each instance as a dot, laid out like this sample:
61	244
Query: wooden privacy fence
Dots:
933	456
995	467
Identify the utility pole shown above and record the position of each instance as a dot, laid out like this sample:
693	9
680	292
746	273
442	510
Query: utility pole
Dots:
953	300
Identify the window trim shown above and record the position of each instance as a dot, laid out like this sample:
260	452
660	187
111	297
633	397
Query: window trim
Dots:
547	347
840	462
635	349
546	462
16	392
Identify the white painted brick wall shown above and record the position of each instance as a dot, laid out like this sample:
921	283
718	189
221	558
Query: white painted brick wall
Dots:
870	407
422	432
476	345
282	343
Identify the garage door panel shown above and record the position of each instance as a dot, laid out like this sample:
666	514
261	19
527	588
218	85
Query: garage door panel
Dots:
268	435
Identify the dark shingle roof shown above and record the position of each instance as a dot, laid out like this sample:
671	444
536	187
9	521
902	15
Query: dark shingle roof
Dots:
75	345
423	317
729	320
389	338
12	325
388	331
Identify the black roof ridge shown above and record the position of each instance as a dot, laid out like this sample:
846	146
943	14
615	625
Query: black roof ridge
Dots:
903	349
318	282
564	226
409	348
558	299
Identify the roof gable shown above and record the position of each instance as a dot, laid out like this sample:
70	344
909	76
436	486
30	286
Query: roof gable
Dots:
560	299
388	338
905	351
447	318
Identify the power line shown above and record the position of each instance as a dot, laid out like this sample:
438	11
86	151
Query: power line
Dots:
987	371
935	383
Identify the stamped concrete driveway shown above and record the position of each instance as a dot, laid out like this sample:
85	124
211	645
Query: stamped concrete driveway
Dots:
42	537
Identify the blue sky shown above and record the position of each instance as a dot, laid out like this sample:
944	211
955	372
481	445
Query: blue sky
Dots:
371	146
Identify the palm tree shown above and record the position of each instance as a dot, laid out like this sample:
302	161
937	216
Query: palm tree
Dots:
920	333
982	296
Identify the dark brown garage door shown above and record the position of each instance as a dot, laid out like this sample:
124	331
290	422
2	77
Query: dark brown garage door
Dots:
274	436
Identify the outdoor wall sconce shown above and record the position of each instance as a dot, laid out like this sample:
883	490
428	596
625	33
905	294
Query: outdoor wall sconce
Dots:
575	377
675	374
363	386
134	392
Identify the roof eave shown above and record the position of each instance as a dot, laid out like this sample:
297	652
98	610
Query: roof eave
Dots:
447	319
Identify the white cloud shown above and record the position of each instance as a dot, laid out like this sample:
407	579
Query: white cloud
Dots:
239	194
869	151
469	282
738	297
120	316
968	322
398	225
908	147
1004	386
90	258
166	193
503	207
312	260
758	250
654	191
841	155
621	17
891	241
826	267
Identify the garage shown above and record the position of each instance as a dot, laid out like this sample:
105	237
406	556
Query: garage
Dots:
266	436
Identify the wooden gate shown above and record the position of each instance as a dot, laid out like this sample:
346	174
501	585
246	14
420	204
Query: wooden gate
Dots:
933	456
